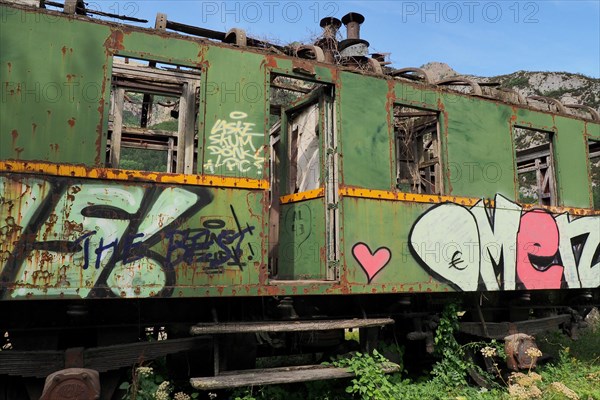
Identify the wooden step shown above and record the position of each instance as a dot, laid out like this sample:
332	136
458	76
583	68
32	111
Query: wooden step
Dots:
274	376
286	326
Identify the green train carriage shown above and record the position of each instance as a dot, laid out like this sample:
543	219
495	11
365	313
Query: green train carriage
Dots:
279	183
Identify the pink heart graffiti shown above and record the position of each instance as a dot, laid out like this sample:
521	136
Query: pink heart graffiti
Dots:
371	263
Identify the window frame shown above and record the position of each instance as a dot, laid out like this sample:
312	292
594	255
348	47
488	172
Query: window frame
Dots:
149	80
536	155
439	184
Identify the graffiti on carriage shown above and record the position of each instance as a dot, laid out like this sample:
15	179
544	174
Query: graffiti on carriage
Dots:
84	239
505	247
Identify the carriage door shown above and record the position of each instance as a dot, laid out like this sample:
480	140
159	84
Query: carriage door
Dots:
304	221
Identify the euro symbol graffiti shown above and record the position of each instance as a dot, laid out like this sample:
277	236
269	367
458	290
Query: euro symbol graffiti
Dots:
457	260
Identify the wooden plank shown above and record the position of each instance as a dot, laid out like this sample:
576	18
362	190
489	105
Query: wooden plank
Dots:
286	326
149	132
187	124
115	138
144	72
274	376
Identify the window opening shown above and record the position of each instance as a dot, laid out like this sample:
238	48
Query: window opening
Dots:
302	104
305	162
301	124
418	168
153	114
535	166
594	157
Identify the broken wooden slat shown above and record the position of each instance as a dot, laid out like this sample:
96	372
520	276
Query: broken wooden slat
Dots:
499	330
286	326
274	376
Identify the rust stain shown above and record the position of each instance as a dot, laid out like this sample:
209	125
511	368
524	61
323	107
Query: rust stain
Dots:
201	57
271	61
71	122
64	50
115	40
9	67
33	128
303	67
15	135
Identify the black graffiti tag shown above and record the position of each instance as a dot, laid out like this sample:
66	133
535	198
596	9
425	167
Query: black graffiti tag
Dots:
211	244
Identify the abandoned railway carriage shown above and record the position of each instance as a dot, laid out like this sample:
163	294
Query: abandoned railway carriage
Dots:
217	187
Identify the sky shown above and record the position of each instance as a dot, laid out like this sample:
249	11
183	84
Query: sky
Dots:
475	37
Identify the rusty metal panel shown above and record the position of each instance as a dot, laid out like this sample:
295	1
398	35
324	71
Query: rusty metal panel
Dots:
55	84
478	160
365	136
235	120
569	147
75	238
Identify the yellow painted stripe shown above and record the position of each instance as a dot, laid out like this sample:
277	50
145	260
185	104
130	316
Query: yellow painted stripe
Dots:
465	201
80	171
562	210
400	196
308	195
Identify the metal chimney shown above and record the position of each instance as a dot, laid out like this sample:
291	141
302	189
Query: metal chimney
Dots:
329	42
353	50
352	22
330	26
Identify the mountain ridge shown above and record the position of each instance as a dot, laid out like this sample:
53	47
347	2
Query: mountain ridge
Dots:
567	87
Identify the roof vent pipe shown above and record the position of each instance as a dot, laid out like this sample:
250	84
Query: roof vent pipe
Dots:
352	22
329	42
330	27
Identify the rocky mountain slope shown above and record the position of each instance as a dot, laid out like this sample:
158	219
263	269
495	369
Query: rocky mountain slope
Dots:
567	87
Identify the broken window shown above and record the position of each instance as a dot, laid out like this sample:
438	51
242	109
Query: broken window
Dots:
153	111
594	156
418	168
535	166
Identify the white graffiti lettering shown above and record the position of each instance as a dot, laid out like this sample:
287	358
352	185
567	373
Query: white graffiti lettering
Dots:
506	248
232	145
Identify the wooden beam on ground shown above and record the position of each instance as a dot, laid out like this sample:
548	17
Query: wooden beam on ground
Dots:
275	376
